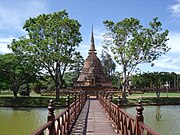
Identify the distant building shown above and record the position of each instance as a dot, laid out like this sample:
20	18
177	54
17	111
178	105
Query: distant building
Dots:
92	77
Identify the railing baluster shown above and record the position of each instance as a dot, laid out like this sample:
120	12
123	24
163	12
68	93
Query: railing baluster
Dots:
68	112
139	117
75	100
79	106
118	114
110	109
51	117
64	121
124	122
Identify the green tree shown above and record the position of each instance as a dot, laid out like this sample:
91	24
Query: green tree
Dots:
133	44
16	71
70	78
156	81
77	64
108	64
74	70
47	83
116	80
52	41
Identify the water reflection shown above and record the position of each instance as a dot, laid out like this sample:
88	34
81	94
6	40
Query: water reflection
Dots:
22	121
21	109
164	119
158	114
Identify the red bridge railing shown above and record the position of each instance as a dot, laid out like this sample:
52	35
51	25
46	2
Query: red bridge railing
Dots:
125	123
62	123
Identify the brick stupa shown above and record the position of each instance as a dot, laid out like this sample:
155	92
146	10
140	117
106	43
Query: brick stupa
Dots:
92	77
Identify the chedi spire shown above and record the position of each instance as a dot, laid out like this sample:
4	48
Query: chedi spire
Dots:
92	46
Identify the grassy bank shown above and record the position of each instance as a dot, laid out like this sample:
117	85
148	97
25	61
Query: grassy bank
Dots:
170	94
32	101
35	100
155	101
151	99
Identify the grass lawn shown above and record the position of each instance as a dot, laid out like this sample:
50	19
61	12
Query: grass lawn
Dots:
155	101
154	95
151	99
35	100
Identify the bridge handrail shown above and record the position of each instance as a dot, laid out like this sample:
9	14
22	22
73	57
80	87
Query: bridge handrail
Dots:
123	121
62	123
143	127
40	131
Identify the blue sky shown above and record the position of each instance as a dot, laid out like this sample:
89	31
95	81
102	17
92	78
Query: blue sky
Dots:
13	14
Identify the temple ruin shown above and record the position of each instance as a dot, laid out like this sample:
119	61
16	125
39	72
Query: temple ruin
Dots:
92	78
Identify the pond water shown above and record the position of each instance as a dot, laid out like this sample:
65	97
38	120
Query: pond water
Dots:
164	119
22	121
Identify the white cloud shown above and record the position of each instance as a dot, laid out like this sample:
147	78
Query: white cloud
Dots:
98	33
168	62
175	9
98	37
171	61
14	15
174	42
3	44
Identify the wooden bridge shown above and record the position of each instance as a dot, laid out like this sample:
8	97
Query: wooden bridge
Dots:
94	116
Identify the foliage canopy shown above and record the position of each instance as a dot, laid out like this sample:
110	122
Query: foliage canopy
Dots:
133	44
52	41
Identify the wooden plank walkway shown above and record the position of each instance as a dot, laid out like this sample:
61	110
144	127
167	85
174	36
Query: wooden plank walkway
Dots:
93	121
81	123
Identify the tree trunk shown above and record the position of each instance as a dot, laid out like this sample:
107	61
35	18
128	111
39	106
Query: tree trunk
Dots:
15	91
124	84
15	94
59	85
57	89
158	92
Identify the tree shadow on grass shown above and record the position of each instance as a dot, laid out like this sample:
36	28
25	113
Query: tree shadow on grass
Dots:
156	101
30	102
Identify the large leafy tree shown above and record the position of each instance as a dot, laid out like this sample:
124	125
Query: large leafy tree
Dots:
133	44
16	71
52	41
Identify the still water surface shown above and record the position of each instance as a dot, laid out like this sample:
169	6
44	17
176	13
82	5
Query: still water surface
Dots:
22	121
164	119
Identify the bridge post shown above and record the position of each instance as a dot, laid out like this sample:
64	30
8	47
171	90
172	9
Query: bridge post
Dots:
79	104
51	117
97	94
68	106
110	97
106	102
110	100
118	113
104	93
139	117
85	94
75	100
